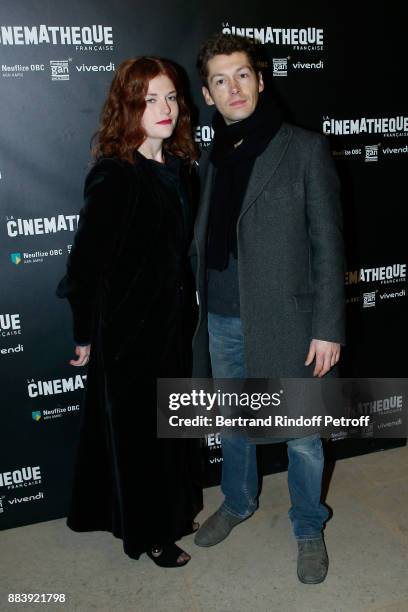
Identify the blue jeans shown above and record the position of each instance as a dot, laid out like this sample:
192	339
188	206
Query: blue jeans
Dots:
239	482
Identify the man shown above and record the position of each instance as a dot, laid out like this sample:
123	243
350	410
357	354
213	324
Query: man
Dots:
270	277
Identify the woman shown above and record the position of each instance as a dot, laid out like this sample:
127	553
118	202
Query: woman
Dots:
130	288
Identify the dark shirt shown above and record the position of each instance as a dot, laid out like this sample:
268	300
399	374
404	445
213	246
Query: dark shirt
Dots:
170	173
223	290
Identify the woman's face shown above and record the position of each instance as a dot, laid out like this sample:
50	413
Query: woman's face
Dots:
160	116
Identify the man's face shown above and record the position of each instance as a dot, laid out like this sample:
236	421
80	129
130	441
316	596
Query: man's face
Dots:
233	86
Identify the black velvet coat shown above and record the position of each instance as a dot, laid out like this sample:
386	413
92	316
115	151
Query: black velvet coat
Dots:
131	293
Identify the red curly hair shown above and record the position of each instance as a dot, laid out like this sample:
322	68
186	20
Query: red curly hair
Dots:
120	132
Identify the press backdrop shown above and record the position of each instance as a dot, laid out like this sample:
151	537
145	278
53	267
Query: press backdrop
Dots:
336	71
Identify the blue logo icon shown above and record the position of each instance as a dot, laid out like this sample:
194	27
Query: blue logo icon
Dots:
15	258
36	415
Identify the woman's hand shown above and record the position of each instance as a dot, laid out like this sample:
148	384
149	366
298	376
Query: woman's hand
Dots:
83	353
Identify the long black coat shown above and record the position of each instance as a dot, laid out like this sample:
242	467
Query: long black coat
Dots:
131	294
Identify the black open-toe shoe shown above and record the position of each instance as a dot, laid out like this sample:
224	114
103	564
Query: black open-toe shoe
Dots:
166	555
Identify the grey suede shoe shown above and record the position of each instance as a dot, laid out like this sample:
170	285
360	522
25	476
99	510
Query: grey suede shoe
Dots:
217	527
313	561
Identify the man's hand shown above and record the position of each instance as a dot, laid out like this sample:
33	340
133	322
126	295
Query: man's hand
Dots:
83	353
327	355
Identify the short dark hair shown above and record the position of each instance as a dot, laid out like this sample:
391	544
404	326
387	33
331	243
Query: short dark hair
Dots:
224	44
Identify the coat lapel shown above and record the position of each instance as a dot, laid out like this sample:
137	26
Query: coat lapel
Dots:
265	166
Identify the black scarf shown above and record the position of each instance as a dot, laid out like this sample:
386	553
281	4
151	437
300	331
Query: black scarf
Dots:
234	166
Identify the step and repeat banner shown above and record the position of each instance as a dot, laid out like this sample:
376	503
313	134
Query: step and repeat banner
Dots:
335	71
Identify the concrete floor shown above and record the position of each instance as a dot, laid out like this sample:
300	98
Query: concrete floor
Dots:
253	570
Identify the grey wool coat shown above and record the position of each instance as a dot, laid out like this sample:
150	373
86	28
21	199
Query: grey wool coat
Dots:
290	256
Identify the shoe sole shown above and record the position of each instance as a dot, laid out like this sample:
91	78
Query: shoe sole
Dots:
312	581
